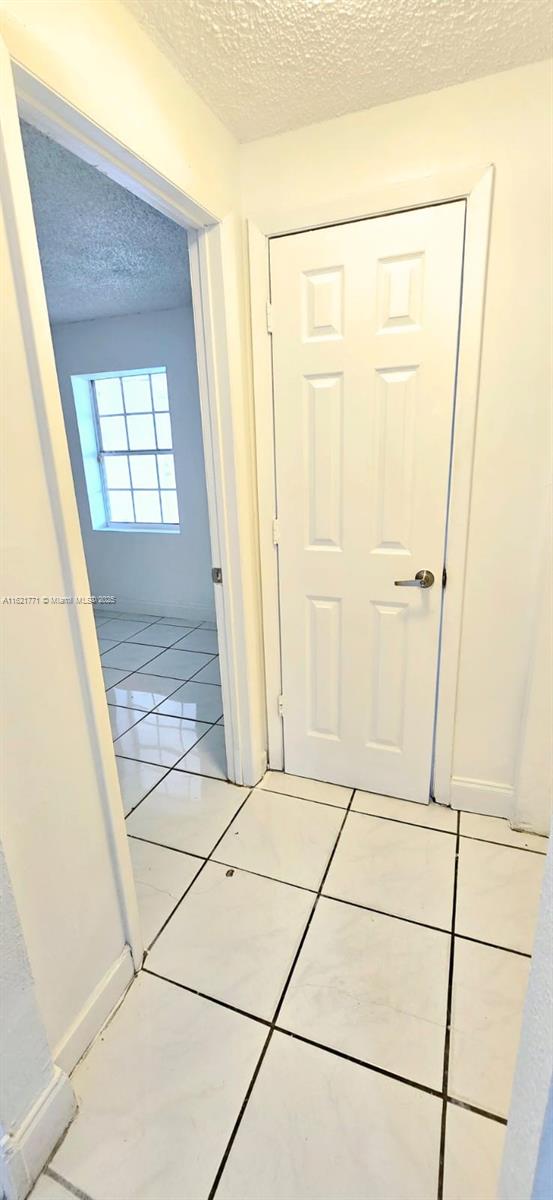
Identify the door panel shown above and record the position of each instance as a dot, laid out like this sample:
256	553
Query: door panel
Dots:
365	321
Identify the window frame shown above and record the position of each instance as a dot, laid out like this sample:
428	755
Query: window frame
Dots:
135	526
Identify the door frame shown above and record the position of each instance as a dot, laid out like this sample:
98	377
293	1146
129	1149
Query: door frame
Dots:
57	118
475	186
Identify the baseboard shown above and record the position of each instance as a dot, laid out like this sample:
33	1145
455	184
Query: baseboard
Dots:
184	612
95	1012
25	1152
482	796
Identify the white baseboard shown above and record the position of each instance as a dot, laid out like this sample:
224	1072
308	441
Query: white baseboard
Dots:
95	1012
482	796
25	1151
192	612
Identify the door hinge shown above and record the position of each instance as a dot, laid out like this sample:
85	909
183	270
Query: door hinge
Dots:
269	311
276	532
217	574
444	577
280	703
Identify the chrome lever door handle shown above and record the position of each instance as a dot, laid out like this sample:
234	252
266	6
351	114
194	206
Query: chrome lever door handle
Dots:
423	579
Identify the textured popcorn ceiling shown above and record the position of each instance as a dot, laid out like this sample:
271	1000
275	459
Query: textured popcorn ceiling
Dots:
103	251
265	66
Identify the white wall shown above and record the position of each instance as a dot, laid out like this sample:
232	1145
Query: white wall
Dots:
527	1153
169	574
56	823
27	1129
504	119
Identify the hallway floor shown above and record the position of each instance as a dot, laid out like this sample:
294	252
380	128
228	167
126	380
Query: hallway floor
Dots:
333	987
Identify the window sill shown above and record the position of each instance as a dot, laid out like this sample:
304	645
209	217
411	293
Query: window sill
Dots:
137	529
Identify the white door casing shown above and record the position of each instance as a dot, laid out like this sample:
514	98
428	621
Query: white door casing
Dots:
365	327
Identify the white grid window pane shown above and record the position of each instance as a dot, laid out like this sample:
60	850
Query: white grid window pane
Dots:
108	396
159	391
170	508
166	468
113	433
120	506
141	432
163	427
136	390
135	441
116	467
147	507
143	471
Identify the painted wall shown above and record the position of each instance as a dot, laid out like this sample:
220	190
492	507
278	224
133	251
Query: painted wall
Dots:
56	825
26	1130
527	1153
504	119
169	574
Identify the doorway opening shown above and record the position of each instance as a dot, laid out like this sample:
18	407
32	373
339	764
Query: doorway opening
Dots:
118	288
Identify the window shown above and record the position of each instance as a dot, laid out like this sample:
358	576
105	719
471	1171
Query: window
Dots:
127	417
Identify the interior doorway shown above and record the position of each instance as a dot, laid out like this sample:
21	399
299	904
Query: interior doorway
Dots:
119	297
365	320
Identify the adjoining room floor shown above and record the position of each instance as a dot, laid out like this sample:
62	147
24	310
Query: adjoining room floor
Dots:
330	1003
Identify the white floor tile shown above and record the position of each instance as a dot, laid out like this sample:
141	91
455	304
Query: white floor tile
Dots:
373	987
432	816
473	1150
498	893
122	719
158	635
158	739
146	618
106	644
158	1096
210	674
180	664
234	937
161	876
111	676
49	1189
129	657
197	701
496	829
208	625
283	837
320	1128
488	995
188	812
140	690
135	780
183	622
403	870
114	628
209	756
200	639
306	789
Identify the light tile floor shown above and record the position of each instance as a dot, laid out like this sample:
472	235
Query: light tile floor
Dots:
331	999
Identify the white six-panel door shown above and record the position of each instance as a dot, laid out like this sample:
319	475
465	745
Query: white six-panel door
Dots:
365	326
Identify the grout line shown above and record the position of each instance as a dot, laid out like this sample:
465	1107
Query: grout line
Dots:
447	1038
481	1112
469	837
261	875
261	791
136	837
265	1047
410	824
205	996
75	1191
